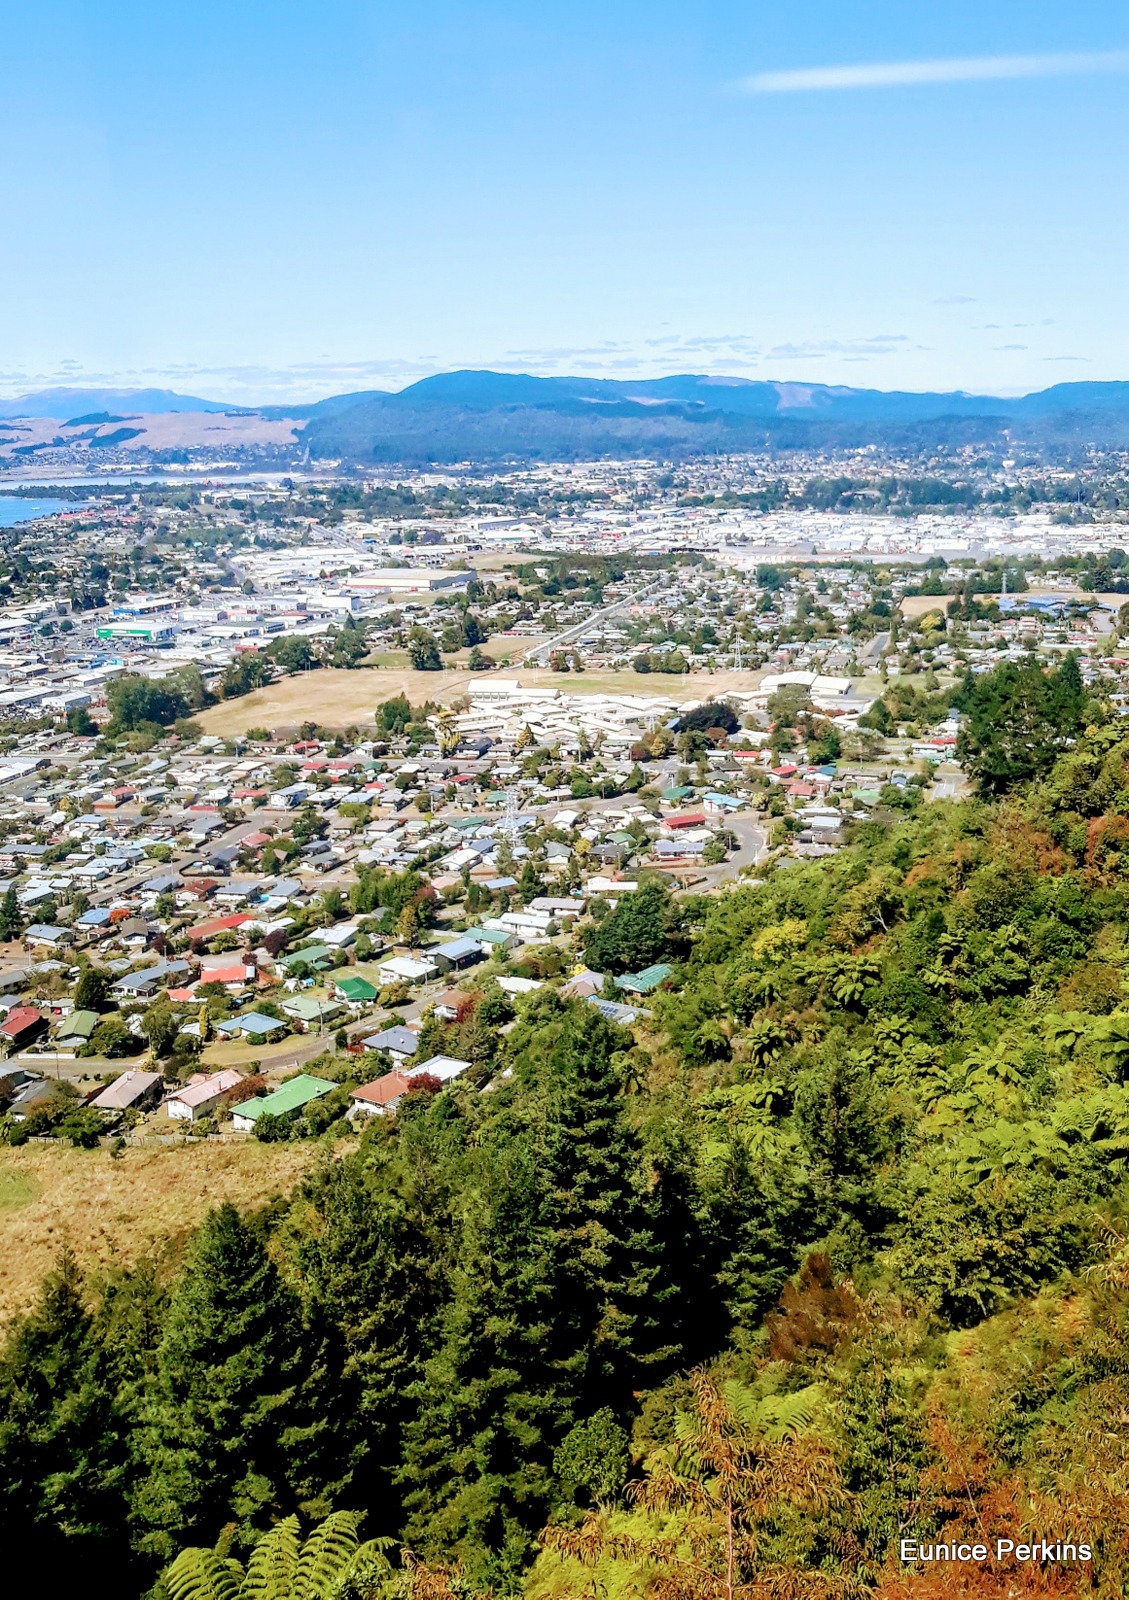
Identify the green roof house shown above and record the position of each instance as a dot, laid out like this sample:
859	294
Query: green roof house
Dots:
318	956
77	1028
643	982
310	1010
358	991
290	1097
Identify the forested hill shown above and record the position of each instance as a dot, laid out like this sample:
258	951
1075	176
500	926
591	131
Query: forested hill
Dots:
472	415
832	1252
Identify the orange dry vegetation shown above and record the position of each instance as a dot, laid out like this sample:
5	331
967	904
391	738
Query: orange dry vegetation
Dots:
115	1210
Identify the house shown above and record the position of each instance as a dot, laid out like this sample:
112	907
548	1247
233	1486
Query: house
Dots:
612	1011
30	1097
490	940
406	969
93	921
399	1043
134	1090
46	933
76	1030
234	975
21	1026
137	985
317	956
13	1076
643	982
680	850
723	803
442	1067
516	986
203	931
309	1011
200	1093
291	1097
449	1004
457	954
583	985
682	819
354	991
382	1095
559	910
253	1025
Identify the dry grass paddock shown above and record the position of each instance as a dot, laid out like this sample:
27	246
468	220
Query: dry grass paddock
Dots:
337	698
114	1210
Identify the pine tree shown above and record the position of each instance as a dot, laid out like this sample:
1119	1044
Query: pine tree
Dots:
62	1467
755	1221
552	1311
11	920
606	1253
368	1270
227	1434
491	1410
636	934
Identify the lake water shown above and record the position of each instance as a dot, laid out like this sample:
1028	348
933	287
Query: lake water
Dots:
14	509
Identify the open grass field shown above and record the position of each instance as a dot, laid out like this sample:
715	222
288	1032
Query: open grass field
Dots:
115	1210
337	698
918	605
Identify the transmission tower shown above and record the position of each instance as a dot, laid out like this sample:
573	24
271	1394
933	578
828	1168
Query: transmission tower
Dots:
737	652
509	823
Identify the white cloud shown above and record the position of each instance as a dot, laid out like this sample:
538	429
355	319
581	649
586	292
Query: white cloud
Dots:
953	69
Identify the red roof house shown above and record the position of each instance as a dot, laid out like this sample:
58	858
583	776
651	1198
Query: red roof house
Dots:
215	925
21	1025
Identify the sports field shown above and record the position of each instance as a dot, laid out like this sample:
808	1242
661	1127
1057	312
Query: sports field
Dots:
337	698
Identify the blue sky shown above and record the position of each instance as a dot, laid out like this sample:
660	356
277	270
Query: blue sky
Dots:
266	199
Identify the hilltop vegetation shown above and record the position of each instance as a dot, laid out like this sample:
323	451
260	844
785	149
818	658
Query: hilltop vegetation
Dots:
832	1252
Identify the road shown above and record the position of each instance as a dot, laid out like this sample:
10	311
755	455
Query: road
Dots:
752	844
539	656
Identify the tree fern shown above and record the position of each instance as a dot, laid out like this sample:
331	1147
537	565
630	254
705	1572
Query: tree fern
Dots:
325	1556
203	1575
273	1564
329	1565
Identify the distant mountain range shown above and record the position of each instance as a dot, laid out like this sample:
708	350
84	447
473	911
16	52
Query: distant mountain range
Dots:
486	415
472	415
66	403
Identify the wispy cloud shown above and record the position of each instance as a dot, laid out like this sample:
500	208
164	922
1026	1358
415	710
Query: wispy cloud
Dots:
951	69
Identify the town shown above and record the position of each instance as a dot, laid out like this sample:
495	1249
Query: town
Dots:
297	804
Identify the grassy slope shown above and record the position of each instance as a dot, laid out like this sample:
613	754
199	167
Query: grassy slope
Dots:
111	1209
